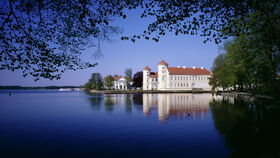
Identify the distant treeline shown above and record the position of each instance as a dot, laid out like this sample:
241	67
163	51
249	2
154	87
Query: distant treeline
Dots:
45	87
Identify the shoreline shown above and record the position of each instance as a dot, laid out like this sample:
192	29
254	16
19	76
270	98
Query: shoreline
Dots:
242	95
246	96
147	91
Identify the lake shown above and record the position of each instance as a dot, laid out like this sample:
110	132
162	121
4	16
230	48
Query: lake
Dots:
48	123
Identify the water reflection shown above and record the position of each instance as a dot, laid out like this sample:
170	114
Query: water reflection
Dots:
248	129
73	122
96	101
128	104
111	100
184	105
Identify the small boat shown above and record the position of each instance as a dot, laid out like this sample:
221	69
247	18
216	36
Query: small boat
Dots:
65	89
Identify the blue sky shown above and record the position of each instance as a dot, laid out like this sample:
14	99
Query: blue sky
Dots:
181	50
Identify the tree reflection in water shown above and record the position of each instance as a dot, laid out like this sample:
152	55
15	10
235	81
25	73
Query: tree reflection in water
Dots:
137	101
96	101
250	130
128	104
111	100
109	103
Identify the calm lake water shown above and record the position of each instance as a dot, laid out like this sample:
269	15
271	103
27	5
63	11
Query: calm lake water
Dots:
76	124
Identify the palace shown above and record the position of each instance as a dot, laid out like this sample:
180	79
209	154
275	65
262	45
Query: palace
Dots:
175	78
120	82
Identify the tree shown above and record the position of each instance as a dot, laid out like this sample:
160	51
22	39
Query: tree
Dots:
109	82
215	20
245	66
128	73
128	77
44	38
138	79
95	82
221	73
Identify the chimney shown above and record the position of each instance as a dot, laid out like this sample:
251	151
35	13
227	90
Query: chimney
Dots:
178	66
184	67
193	67
202	68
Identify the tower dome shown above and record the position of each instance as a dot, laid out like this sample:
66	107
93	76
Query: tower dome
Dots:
162	62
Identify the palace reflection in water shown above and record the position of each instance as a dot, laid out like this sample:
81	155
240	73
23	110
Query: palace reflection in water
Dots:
246	129
181	105
82	125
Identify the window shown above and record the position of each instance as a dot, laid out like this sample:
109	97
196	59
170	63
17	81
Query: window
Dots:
198	78
170	77
162	71
162	68
193	85
162	78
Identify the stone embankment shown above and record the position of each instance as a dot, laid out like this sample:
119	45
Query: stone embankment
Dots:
146	91
245	96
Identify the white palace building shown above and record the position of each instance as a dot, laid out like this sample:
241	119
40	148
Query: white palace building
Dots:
175	78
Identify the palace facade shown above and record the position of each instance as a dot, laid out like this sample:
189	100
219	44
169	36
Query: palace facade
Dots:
176	78
120	82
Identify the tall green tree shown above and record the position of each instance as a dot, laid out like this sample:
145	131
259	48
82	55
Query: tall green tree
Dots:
95	82
221	73
108	82
138	79
128	73
128	77
245	66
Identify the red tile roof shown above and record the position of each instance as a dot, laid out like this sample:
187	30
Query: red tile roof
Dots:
117	78
147	68
188	71
162	62
154	74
